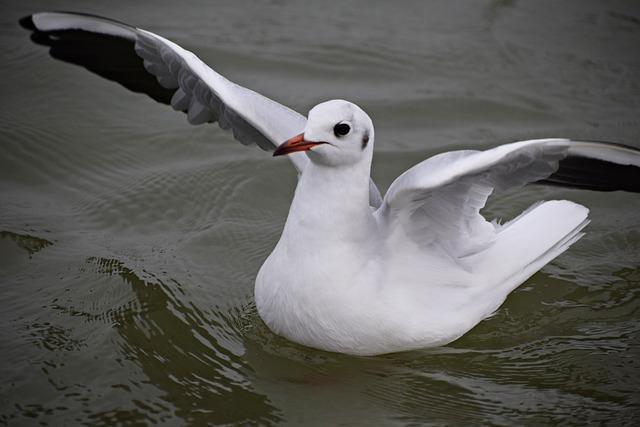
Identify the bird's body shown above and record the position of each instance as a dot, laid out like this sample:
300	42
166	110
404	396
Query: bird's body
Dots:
355	279
354	272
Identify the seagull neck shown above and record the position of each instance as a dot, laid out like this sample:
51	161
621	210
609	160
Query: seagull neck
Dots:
333	198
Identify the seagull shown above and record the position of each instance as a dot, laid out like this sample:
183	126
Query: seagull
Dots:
355	272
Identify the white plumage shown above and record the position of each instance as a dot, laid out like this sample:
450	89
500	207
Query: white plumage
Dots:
424	267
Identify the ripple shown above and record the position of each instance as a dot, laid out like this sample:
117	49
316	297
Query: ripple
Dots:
176	345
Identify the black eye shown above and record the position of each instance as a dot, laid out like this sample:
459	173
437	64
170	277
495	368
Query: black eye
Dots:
341	129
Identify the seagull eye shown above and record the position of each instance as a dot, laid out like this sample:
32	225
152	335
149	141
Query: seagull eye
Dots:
341	129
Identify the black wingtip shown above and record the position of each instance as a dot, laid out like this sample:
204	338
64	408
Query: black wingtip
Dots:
27	22
111	56
37	36
590	170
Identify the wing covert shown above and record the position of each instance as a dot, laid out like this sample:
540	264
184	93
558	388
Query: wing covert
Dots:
441	198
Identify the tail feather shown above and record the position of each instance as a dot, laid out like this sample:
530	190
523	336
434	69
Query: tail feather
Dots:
527	243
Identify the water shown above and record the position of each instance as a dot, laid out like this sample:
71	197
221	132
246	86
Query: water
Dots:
129	240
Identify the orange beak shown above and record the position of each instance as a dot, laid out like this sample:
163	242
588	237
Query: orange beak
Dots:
297	143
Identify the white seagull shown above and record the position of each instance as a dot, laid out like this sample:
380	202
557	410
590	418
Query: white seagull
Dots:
353	272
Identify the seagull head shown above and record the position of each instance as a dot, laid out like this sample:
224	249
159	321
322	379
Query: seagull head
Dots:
337	133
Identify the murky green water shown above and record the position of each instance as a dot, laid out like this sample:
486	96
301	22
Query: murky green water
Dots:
129	241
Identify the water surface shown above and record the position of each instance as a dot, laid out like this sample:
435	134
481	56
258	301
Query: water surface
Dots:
129	240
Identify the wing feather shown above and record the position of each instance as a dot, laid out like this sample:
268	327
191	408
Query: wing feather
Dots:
441	198
600	166
145	62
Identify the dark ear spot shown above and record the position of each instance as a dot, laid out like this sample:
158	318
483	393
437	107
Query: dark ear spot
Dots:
365	140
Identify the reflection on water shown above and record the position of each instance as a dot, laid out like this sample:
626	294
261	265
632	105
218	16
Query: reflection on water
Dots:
129	241
174	349
29	243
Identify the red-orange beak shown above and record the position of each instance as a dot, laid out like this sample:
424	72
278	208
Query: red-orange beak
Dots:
297	143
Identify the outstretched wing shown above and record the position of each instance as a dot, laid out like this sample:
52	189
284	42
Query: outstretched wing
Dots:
145	62
441	197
